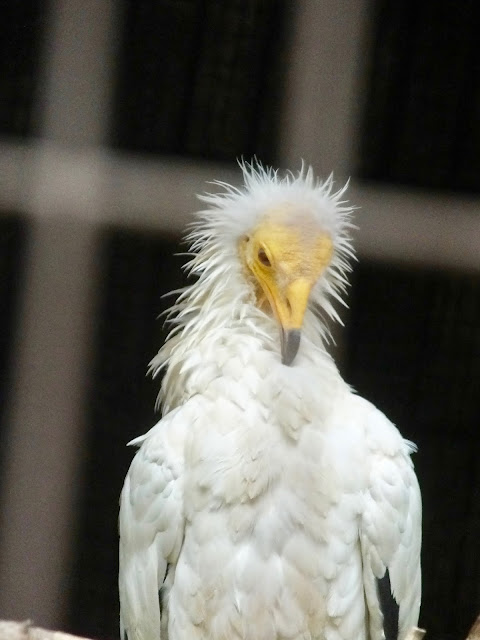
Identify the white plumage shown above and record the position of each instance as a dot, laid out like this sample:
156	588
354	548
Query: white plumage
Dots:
270	502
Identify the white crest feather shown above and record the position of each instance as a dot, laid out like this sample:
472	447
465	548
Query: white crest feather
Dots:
221	298
269	501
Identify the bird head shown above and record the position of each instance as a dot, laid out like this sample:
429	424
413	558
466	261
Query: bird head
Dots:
277	246
286	253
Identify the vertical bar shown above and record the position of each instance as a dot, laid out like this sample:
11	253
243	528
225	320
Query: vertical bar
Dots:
324	75
79	61
46	420
47	412
321	103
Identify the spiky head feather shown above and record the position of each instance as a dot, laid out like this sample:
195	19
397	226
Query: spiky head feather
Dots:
221	299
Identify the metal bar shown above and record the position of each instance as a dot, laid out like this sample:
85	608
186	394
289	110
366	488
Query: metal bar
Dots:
47	418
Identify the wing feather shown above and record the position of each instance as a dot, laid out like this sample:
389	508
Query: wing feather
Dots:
151	526
390	532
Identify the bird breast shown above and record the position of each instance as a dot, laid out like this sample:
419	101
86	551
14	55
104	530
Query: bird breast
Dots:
268	526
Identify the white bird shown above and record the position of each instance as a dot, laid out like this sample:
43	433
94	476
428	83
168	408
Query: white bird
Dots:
270	502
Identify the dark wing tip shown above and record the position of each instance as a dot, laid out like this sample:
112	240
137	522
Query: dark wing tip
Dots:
388	606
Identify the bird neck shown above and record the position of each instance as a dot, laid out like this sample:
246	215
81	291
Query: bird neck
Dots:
219	331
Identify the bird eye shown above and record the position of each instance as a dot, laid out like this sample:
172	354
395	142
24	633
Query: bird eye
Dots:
263	258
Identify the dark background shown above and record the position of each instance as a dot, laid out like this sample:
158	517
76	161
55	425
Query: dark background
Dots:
203	80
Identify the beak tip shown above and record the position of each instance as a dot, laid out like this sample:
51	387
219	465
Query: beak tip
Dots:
290	345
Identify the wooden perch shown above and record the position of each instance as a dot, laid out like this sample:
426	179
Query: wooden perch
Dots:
26	631
415	634
475	630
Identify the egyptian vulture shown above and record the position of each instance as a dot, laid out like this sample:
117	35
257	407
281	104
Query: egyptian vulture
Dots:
270	502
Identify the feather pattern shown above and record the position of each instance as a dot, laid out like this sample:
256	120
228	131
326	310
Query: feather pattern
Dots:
269	500
221	298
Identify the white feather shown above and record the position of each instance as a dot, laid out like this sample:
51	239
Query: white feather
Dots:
274	495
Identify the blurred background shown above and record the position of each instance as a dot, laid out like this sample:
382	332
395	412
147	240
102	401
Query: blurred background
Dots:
113	115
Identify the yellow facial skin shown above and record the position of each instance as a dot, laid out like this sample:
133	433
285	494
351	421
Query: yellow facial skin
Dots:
286	260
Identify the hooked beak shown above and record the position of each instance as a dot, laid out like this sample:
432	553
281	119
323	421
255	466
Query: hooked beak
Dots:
287	260
290	343
289	307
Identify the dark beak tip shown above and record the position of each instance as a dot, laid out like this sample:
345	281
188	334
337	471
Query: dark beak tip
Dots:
290	345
